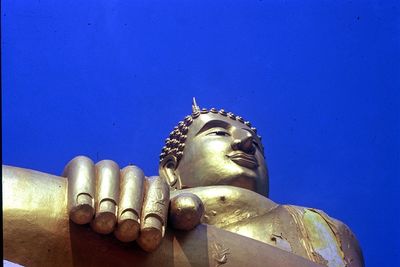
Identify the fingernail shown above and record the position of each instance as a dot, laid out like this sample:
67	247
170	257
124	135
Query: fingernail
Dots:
84	199
129	215
107	206
152	222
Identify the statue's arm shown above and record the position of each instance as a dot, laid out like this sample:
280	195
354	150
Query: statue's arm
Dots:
37	232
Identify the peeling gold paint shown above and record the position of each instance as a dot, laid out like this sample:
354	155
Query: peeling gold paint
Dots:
322	239
297	215
281	242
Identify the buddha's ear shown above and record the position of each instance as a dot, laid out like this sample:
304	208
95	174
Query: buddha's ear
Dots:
167	171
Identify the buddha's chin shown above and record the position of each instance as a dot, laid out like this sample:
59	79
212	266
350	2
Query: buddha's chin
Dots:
248	183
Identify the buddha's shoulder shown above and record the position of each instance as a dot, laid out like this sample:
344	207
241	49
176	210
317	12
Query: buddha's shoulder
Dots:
312	219
323	235
306	232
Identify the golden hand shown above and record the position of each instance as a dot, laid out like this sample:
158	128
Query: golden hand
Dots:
126	202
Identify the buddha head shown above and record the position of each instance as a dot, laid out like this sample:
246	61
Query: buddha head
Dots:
214	147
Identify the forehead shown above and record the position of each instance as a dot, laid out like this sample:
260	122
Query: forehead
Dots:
216	120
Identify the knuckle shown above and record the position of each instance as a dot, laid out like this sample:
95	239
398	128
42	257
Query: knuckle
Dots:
82	158
133	168
106	163
77	165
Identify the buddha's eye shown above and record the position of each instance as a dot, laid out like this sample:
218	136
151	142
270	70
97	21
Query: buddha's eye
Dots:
219	133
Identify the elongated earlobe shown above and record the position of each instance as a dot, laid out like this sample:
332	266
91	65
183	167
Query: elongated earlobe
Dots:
167	171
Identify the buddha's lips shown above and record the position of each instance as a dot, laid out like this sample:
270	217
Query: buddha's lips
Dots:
244	159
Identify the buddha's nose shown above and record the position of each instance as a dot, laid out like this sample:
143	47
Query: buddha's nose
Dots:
245	144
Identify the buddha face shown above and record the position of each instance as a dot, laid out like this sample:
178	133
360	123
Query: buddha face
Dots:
220	151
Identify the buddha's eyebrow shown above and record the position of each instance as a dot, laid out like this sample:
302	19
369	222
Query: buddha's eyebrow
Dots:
214	124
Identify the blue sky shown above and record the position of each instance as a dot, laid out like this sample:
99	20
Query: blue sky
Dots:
319	79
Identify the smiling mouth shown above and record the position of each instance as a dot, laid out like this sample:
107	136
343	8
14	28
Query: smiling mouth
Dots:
243	159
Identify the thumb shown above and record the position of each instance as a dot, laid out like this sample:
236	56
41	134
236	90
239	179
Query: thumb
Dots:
185	211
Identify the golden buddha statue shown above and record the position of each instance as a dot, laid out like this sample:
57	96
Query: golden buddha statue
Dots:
213	184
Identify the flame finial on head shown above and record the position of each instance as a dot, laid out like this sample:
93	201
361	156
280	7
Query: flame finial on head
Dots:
195	107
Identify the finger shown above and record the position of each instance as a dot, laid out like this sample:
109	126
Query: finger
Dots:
186	210
154	213
80	173
130	203
107	193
